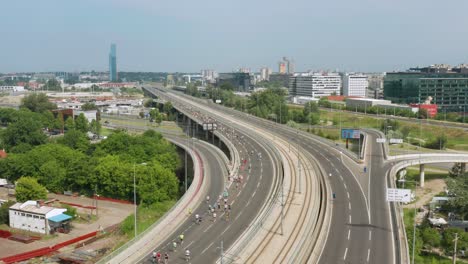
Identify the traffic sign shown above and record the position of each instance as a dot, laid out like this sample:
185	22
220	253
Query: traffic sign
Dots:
381	140
398	195
396	141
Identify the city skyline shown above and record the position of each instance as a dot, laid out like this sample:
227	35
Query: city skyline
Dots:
153	36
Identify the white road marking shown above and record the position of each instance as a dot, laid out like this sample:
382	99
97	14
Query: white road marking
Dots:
347	194
350	219
189	244
349	233
208	228
207	248
370	235
346	187
345	253
368	254
349	206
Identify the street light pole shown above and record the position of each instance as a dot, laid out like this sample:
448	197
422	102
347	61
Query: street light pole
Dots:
134	197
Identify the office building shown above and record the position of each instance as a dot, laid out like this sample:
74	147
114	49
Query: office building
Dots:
244	70
209	75
280	79
265	74
447	87
241	82
375	88
113	64
286	66
316	84
282	67
355	85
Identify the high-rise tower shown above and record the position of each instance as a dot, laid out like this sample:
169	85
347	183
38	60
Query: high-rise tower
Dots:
113	63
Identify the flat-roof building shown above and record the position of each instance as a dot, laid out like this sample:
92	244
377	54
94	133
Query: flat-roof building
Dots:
36	217
448	89
355	85
315	84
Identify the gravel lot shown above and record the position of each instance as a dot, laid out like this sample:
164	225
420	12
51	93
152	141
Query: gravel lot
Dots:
109	213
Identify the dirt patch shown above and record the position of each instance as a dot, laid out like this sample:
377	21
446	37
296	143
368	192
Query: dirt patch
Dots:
109	213
431	189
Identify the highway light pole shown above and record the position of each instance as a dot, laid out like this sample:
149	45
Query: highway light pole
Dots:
414	222
134	194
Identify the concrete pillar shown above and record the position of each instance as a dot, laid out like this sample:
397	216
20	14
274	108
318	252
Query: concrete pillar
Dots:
421	175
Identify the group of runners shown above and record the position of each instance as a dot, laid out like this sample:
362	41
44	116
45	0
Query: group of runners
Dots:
157	256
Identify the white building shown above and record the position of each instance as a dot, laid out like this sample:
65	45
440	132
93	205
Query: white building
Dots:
209	75
265	74
315	85
35	217
9	88
355	85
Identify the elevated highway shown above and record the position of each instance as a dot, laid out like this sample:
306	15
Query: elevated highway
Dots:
350	237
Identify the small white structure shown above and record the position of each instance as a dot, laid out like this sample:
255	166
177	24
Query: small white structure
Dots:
90	114
10	88
33	216
303	99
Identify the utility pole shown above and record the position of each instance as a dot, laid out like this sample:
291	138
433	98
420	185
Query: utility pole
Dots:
282	204
222	253
134	197
299	166
455	249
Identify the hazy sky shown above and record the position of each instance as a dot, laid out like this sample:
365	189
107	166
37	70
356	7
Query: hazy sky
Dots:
190	35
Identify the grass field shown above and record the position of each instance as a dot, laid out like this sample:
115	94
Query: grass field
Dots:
457	138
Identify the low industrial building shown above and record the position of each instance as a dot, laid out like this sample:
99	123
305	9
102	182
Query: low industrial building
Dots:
36	217
366	102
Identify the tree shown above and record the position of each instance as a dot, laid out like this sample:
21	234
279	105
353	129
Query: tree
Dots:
4	212
81	123
52	85
431	237
95	127
27	188
89	106
422	113
27	130
37	102
310	107
69	124
75	139
227	86
155	115
167	107
458	169
313	118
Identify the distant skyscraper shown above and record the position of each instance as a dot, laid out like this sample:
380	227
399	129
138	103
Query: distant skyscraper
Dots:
265	74
286	66
113	63
282	67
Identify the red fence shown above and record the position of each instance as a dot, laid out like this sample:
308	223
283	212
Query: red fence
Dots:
5	234
79	205
45	250
112	200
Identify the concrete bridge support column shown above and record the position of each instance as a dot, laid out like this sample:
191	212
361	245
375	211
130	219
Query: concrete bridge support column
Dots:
421	175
